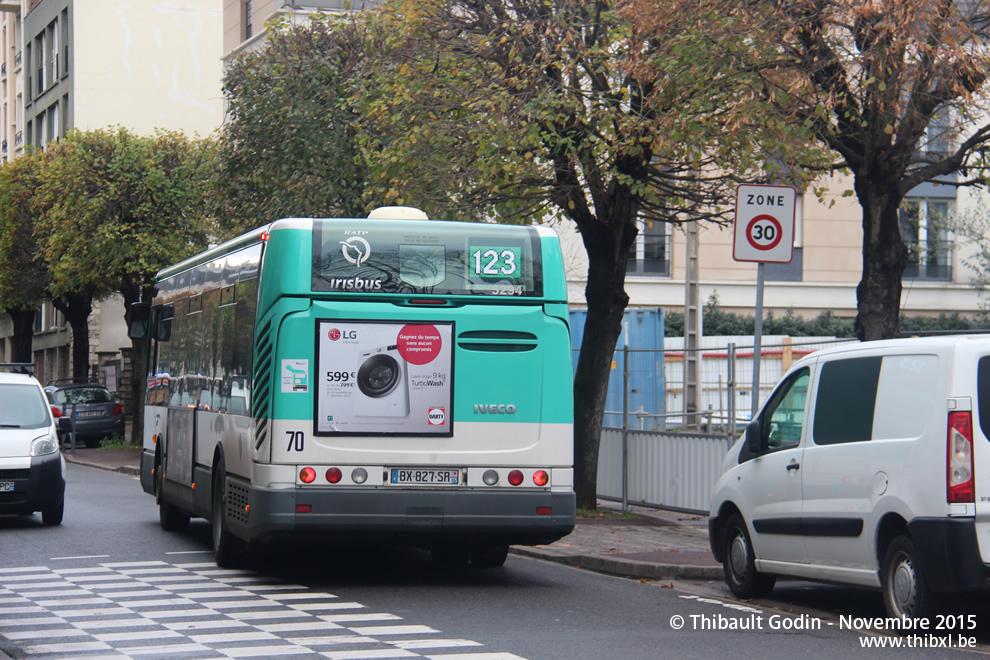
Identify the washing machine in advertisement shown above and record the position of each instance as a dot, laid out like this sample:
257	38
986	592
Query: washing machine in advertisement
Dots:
384	378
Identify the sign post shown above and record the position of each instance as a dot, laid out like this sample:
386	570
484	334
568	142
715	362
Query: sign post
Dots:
764	233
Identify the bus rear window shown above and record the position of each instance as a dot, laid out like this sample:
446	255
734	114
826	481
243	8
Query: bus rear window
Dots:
424	258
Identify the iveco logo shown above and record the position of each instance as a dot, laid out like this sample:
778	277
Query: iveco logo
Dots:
493	409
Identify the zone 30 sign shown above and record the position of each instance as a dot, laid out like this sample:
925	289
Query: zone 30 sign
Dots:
764	229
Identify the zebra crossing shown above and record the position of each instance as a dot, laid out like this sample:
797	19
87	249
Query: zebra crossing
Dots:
192	611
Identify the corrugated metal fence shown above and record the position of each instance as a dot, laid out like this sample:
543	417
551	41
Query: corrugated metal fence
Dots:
665	470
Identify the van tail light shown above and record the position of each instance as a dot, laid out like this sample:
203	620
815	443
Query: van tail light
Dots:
960	486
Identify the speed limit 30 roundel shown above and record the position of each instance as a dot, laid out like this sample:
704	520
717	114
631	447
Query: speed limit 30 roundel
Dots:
764	229
763	232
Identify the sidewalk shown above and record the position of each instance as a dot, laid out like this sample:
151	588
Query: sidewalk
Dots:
655	545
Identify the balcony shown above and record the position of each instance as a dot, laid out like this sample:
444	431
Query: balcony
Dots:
19	139
17	61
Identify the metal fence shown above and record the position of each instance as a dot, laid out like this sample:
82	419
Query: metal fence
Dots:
649	458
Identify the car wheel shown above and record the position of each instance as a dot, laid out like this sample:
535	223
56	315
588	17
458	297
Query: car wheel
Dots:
905	588
739	562
170	517
54	516
491	556
228	550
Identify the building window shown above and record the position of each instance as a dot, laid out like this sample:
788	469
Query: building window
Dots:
30	78
41	53
651	254
52	55
63	25
248	27
924	228
65	125
52	118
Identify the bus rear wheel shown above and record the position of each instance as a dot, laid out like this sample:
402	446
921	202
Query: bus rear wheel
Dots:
170	517
228	550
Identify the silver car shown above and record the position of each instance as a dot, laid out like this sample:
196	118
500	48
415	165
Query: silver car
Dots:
97	414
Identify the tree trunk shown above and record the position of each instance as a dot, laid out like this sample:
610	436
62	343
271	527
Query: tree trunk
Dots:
878	295
22	343
608	245
77	307
601	332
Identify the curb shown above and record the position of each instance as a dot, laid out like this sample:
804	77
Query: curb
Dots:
123	469
628	568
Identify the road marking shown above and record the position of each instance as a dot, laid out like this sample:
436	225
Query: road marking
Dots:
137	609
190	552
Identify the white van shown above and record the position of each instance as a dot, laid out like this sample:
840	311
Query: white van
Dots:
32	469
869	465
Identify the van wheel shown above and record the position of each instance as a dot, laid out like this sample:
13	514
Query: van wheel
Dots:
170	517
739	563
228	550
905	588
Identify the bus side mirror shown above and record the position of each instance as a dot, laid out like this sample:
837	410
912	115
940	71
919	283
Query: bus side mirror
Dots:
140	321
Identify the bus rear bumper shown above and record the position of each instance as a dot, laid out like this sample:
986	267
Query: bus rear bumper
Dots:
418	517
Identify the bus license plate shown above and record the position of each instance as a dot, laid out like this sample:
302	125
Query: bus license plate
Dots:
6	486
425	477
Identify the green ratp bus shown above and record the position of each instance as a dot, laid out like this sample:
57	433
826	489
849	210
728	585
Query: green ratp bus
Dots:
389	379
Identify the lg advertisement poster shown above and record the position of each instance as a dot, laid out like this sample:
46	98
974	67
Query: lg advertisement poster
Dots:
384	378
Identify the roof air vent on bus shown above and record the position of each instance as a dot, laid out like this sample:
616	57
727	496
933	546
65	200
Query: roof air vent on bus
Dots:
397	213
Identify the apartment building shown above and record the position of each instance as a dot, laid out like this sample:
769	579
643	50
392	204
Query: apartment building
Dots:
69	64
244	20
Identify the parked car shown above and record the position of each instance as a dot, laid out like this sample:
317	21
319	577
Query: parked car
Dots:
96	412
32	470
869	465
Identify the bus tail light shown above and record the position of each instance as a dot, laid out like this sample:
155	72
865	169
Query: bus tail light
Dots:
307	475
515	477
960	485
334	475
541	478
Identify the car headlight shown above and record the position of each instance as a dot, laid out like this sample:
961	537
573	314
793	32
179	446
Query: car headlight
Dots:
46	444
